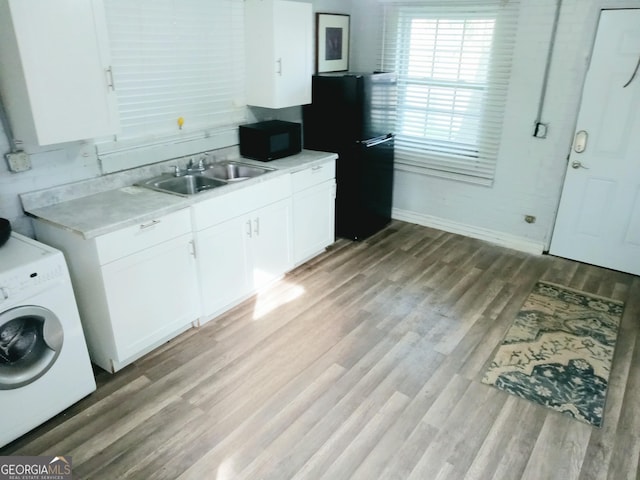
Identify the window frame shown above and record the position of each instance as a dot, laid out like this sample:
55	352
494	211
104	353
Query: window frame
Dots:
473	162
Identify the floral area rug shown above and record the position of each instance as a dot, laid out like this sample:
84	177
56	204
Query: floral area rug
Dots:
558	351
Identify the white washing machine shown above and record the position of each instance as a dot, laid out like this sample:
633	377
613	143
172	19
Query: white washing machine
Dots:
44	363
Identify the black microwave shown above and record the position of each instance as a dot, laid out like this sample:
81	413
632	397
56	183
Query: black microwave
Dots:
270	140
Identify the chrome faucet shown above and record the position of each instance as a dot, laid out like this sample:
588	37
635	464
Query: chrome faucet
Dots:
191	167
195	168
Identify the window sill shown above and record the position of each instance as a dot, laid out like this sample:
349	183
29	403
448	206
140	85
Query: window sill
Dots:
431	172
123	155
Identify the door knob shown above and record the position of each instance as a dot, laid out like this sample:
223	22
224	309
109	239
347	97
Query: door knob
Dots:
577	164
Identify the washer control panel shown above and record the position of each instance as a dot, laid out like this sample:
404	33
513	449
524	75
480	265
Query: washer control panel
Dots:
25	281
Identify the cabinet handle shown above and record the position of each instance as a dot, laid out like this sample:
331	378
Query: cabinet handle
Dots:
256	228
110	82
249	231
316	168
192	248
279	62
152	223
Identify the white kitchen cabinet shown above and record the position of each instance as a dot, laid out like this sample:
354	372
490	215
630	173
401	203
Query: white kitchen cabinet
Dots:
314	194
135	287
243	242
279	56
268	243
222	265
151	295
55	75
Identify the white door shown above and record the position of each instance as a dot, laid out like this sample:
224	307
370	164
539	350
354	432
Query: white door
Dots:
66	68
598	219
293	35
313	220
270	249
151	295
223	264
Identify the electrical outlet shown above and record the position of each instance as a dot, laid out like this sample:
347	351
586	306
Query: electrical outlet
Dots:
18	161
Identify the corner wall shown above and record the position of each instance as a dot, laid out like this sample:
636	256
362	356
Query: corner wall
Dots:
530	170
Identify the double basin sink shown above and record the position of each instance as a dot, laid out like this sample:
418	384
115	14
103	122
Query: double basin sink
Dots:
212	176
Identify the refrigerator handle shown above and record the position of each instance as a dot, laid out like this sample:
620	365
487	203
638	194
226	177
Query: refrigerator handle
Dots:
377	141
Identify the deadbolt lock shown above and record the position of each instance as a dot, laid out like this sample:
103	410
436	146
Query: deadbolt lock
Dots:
580	142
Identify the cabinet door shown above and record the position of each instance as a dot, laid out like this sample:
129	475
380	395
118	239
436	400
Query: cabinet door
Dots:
293	27
278	53
151	295
313	220
270	243
54	70
223	264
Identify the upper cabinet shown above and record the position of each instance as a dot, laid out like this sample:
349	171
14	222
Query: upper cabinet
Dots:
278	52
55	76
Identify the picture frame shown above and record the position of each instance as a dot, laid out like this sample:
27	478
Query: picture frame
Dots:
332	42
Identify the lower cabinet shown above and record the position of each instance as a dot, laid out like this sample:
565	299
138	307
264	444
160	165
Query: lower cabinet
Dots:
151	295
244	249
268	244
222	265
314	196
136	287
139	286
242	246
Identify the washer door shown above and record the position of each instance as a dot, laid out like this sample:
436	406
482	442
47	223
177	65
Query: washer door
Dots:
31	338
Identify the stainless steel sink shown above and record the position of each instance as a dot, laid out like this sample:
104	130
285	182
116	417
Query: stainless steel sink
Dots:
215	175
184	185
231	171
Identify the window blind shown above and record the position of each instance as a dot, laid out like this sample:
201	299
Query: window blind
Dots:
176	58
453	61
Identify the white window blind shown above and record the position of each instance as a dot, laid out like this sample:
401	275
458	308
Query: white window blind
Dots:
176	58
453	61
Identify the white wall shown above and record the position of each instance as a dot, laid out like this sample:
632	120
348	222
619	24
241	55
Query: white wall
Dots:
52	166
530	171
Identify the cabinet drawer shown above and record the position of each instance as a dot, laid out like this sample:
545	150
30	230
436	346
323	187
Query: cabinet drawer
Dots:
313	176
126	241
238	202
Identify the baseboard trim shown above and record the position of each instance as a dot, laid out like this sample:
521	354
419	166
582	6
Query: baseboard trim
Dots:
493	236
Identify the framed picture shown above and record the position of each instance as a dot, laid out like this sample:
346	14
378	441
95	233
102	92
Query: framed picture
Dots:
332	42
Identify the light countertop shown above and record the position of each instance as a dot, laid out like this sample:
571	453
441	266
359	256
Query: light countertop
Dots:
106	211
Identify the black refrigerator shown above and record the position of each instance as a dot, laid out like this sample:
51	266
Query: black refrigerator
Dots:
353	115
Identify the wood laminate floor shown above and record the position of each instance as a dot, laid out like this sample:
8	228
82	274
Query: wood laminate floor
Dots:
364	363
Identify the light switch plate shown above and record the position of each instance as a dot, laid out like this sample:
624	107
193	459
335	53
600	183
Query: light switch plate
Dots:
18	162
